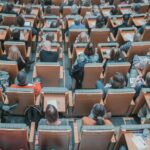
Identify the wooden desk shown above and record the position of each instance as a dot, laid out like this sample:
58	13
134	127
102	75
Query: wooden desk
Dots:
91	22
147	99
115	22
130	144
3	34
35	11
139	21
127	35
106	12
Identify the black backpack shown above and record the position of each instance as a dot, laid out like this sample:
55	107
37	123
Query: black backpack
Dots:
4	80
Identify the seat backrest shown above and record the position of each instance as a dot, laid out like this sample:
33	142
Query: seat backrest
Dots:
11	67
139	48
49	73
73	33
92	72
84	101
24	97
117	101
56	2
21	46
66	10
9	19
84	9
99	35
11	134
112	68
58	96
140	100
96	137
54	10
146	33
54	137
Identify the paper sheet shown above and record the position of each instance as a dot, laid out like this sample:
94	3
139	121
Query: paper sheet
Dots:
139	142
27	24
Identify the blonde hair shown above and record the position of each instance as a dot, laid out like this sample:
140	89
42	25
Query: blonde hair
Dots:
14	54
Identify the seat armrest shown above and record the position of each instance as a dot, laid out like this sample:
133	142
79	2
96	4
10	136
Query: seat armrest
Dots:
131	107
28	52
76	136
112	143
34	73
61	72
70	99
31	135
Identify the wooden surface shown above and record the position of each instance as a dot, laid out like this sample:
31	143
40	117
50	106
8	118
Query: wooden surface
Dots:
147	99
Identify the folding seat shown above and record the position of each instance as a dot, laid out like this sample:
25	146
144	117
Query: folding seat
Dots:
11	67
4	33
140	100
112	68
67	10
90	21
23	97
21	46
146	33
84	9
57	33
106	10
125	9
55	47
84	99
60	97
16	136
9	19
119	101
104	49
17	8
93	137
54	137
92	73
50	73
101	36
132	137
55	10
139	48
125	34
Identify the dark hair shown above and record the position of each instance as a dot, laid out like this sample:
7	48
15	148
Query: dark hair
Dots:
98	111
100	21
15	34
48	10
22	78
147	79
20	21
114	11
118	80
114	54
9	7
29	9
89	50
54	24
126	17
51	113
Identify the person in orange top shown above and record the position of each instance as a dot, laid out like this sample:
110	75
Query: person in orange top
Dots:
98	116
22	83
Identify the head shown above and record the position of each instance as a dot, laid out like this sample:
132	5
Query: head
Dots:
28	9
20	21
15	34
83	38
126	17
147	79
54	24
89	50
118	81
51	114
114	54
74	9
46	45
9	7
137	8
77	20
50	37
137	37
22	78
13	53
48	10
100	21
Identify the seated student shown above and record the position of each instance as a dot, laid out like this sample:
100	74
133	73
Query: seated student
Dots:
125	47
15	55
98	116
83	37
136	9
46	53
22	83
100	22
140	83
52	117
28	9
8	9
117	81
114	11
48	37
55	24
88	56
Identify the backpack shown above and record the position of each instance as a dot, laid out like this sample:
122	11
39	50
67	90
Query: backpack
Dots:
4	80
33	114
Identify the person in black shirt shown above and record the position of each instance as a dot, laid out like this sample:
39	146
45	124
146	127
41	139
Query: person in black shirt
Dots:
8	9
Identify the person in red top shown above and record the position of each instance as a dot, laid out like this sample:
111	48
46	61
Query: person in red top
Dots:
22	83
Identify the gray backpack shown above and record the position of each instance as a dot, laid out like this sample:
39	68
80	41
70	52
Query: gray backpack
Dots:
4	80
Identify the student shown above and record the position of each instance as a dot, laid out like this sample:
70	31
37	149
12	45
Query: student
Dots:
100	22
117	81
8	9
98	116
52	117
83	37
28	9
22	83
